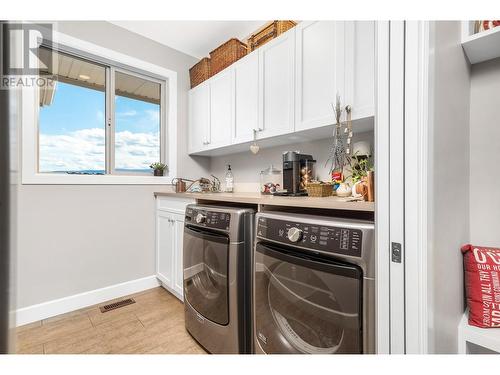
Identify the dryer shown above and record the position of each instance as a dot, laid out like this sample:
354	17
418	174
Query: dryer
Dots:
314	285
217	255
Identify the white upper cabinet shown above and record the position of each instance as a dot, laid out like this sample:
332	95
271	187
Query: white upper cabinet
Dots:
319	72
287	85
199	117
360	67
276	79
221	110
246	98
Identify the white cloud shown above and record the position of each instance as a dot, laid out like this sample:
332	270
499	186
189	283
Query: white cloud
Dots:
136	150
130	113
153	115
84	150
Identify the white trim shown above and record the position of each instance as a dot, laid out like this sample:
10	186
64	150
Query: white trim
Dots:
416	160
29	111
483	337
48	309
396	184
381	184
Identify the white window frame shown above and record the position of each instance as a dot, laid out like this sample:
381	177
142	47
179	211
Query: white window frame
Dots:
29	123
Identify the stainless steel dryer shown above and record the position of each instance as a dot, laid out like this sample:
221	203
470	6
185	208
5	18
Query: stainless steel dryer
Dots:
314	285
218	245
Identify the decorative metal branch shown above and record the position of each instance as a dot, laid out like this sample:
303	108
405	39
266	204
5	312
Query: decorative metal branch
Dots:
339	152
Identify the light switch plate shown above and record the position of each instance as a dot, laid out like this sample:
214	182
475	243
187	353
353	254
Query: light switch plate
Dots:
396	252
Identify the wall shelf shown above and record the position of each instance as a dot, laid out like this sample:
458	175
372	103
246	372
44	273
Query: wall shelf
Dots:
482	46
487	338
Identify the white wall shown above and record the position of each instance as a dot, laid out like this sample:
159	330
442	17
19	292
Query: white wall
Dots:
74	239
485	154
246	166
449	188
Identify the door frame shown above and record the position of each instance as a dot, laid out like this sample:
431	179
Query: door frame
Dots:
419	78
404	98
382	198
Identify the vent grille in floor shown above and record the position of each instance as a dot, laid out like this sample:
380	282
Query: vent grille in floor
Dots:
117	305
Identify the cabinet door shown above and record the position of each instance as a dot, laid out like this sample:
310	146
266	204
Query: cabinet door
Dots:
319	72
246	98
221	111
164	248
360	67
276	77
178	230
199	117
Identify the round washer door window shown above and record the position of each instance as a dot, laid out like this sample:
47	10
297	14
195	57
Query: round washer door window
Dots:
305	305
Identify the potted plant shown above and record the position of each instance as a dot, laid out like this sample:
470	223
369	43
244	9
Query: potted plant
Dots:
359	175
158	168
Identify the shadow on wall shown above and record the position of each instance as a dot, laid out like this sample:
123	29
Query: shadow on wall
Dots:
246	167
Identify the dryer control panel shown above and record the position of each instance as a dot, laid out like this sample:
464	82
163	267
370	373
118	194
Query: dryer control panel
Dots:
208	219
328	239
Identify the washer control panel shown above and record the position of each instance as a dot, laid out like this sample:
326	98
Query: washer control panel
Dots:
329	239
208	219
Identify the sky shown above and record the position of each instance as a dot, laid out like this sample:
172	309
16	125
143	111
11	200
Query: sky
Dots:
72	131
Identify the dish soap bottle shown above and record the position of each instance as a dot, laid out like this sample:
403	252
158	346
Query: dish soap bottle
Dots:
229	180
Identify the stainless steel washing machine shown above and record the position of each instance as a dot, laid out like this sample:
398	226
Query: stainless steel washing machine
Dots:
218	246
314	285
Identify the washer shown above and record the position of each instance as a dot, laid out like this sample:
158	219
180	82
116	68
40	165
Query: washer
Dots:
218	245
314	285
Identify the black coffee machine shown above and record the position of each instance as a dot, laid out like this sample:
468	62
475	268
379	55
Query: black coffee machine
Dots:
298	169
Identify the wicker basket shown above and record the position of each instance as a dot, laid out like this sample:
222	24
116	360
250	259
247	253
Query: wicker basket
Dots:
319	190
268	33
226	54
200	72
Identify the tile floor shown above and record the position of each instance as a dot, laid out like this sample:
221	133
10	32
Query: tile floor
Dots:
154	324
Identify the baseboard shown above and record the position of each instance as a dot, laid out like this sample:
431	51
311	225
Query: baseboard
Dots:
55	307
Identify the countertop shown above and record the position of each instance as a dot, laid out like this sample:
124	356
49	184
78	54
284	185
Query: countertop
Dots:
331	203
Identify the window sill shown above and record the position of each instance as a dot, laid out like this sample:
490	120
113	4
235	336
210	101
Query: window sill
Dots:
63	179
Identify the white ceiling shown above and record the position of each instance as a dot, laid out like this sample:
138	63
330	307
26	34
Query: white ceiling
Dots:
195	38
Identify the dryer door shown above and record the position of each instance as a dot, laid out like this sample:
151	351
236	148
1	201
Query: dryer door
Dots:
206	273
305	304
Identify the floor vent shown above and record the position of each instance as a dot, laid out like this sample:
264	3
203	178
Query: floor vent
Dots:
117	305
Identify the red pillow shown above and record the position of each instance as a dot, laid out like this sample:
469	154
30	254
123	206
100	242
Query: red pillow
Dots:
482	285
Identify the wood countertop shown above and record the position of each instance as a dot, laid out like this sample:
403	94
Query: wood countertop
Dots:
331	203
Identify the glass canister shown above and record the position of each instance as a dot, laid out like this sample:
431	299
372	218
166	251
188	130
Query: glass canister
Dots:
307	173
270	180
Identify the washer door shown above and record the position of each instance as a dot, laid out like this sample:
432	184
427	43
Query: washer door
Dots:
206	273
305	304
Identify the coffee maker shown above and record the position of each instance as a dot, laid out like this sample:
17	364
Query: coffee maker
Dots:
298	170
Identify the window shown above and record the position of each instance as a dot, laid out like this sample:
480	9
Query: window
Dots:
72	126
99	119
137	123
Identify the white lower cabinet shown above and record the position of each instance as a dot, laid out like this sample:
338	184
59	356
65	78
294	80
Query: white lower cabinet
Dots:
178	234
169	244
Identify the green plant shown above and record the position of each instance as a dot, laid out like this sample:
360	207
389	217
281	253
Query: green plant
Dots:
360	168
158	166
